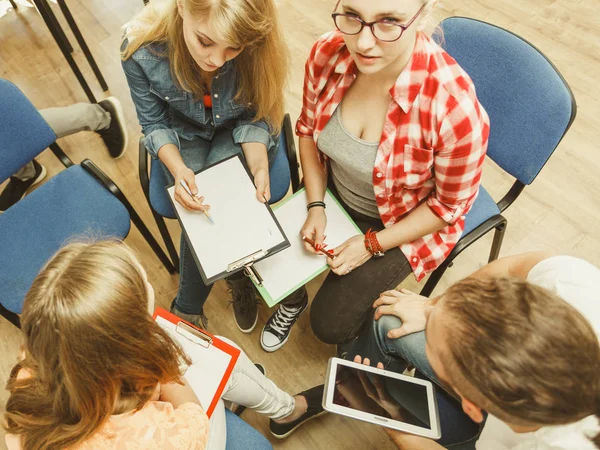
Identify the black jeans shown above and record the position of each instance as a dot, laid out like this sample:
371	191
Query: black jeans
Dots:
344	303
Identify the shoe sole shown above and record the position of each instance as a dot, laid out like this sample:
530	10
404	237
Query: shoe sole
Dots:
121	120
40	177
249	330
283	436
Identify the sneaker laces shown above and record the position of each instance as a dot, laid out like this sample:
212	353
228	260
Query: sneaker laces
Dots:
283	318
243	297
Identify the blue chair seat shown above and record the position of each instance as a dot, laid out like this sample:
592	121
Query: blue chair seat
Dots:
33	229
279	173
483	208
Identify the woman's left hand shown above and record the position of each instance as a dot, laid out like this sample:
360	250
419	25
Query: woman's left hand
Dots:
350	255
263	188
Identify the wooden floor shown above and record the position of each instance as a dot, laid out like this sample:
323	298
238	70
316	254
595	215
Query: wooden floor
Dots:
560	211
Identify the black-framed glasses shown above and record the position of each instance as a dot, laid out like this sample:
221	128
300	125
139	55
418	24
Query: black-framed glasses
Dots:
384	30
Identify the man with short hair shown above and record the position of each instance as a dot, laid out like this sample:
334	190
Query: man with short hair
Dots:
517	339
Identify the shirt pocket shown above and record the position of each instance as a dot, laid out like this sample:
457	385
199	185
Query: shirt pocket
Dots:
176	99
240	110
418	166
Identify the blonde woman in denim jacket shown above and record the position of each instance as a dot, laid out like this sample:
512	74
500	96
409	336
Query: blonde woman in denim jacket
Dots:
207	81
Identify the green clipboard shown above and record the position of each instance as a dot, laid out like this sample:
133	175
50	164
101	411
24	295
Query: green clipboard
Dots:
349	226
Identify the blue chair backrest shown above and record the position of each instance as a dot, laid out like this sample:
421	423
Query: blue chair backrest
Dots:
23	131
529	103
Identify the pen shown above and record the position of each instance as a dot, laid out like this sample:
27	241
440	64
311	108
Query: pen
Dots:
187	189
321	249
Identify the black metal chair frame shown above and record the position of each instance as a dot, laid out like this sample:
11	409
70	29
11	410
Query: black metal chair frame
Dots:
65	46
144	167
110	185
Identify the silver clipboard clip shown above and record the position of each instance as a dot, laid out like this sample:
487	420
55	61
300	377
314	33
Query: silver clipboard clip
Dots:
249	269
193	335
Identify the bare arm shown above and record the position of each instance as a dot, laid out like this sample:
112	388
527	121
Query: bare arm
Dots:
406	441
315	179
178	394
513	266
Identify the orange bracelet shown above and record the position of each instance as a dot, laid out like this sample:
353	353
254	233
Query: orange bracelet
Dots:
372	244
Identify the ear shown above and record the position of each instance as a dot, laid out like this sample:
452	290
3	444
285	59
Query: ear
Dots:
180	9
472	410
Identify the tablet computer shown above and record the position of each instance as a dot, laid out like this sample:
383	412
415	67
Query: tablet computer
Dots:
381	397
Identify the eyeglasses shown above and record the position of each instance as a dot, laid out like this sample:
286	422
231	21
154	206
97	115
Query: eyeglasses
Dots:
384	30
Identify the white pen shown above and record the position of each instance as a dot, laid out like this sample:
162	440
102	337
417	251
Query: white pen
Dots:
187	189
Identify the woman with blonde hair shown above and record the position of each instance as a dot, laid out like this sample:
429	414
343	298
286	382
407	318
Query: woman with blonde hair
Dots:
392	125
99	373
207	80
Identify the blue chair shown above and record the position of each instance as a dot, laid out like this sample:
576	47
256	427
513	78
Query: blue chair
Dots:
79	201
153	181
531	108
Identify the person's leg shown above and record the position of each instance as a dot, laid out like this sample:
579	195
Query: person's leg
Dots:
26	172
248	387
192	292
344	303
105	117
72	119
18	184
241	436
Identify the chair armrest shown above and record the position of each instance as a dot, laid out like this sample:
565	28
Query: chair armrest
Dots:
291	152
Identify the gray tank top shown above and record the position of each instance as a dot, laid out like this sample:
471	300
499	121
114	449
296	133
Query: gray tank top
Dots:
351	164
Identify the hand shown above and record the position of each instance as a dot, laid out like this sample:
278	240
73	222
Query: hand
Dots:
350	255
263	188
314	228
407	306
182	197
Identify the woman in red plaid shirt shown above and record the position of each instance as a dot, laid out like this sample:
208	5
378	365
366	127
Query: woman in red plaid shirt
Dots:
392	125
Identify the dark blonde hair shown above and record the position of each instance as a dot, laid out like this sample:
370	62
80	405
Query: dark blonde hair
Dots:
92	349
520	352
252	24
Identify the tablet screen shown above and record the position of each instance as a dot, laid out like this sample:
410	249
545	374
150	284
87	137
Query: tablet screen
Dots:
382	396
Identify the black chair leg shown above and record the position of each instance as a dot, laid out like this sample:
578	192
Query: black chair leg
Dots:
497	243
166	237
13	4
55	30
434	278
79	37
10	316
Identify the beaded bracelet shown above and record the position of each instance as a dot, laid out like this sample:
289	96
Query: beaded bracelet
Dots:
313	204
372	244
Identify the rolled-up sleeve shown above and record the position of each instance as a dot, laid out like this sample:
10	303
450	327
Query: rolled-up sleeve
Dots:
246	130
458	160
153	113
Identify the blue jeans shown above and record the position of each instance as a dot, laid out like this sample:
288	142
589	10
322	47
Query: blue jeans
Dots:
197	154
458	430
241	436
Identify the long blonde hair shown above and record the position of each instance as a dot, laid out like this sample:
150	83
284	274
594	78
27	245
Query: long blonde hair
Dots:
92	349
252	24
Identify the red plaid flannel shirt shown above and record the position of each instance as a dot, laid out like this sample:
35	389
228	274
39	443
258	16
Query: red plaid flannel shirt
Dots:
433	142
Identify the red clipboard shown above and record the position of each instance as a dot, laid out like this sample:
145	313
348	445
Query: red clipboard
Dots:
205	340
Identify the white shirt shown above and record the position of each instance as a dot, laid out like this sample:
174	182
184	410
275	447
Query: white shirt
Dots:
578	283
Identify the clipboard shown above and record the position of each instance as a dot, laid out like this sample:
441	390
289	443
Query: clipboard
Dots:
245	231
294	267
213	360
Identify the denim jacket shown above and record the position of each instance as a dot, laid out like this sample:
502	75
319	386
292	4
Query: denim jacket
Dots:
168	113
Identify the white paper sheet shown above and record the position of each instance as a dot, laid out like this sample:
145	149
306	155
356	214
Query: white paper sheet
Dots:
208	364
294	266
243	225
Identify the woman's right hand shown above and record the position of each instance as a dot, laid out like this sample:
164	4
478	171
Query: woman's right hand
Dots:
314	228
184	199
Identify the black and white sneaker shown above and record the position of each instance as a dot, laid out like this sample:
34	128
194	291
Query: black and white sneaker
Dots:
276	332
115	136
314	400
16	188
